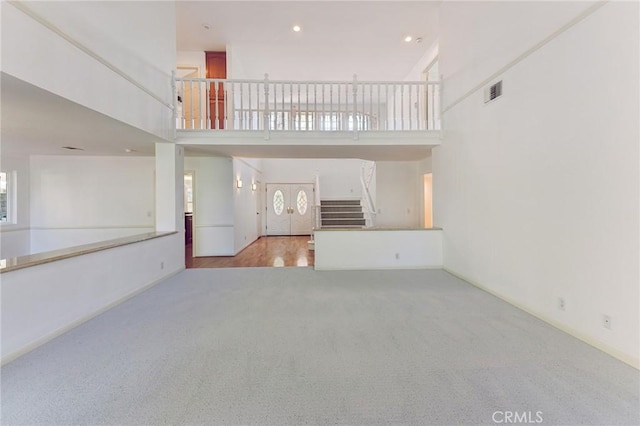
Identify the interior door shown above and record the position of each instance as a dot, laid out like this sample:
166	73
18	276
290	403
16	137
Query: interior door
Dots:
301	208
278	209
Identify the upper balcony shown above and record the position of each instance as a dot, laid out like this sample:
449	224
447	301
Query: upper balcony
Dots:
265	118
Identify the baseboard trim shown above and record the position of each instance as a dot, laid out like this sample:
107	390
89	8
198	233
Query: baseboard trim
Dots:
237	252
41	341
375	268
627	359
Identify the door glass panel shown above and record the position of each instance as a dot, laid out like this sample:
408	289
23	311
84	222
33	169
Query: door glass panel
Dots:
301	202
278	202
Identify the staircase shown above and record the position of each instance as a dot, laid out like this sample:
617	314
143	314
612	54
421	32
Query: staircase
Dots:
342	214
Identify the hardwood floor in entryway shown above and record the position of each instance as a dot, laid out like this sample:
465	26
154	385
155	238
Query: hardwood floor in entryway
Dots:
266	251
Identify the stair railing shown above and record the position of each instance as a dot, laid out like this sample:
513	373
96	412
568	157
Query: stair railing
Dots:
368	204
316	205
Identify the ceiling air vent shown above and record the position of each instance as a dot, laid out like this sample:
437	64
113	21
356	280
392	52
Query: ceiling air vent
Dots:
492	92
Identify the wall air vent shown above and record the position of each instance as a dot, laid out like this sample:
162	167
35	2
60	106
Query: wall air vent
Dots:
492	92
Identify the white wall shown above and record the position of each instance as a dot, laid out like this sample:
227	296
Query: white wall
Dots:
245	202
425	165
427	59
136	37
14	236
339	178
188	58
80	199
224	218
169	184
213	216
398	186
538	191
378	249
488	35
42	302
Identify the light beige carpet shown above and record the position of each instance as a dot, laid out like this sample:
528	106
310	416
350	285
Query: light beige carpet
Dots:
295	346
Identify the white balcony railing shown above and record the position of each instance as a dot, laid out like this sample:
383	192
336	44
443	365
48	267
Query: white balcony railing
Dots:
264	105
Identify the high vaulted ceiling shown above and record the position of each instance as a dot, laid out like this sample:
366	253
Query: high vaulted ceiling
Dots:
338	38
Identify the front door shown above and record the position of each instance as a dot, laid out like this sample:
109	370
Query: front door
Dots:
289	209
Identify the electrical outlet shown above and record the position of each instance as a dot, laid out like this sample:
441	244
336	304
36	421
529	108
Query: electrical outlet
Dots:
161	265
562	305
606	321
397	255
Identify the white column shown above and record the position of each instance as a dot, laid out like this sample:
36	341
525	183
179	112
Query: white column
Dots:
169	187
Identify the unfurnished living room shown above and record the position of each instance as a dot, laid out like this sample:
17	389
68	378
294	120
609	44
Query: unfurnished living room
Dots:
320	212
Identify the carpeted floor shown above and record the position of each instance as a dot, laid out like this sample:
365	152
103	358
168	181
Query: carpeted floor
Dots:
294	346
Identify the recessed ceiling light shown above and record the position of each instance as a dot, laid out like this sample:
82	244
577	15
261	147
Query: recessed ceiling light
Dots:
129	150
408	39
297	28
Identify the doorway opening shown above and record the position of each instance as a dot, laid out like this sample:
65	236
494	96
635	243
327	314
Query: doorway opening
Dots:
427	181
287	246
188	106
188	207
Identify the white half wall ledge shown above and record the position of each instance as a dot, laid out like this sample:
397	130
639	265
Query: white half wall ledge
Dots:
373	249
31	260
42	302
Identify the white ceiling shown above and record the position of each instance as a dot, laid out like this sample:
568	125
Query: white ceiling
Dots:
338	38
35	121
